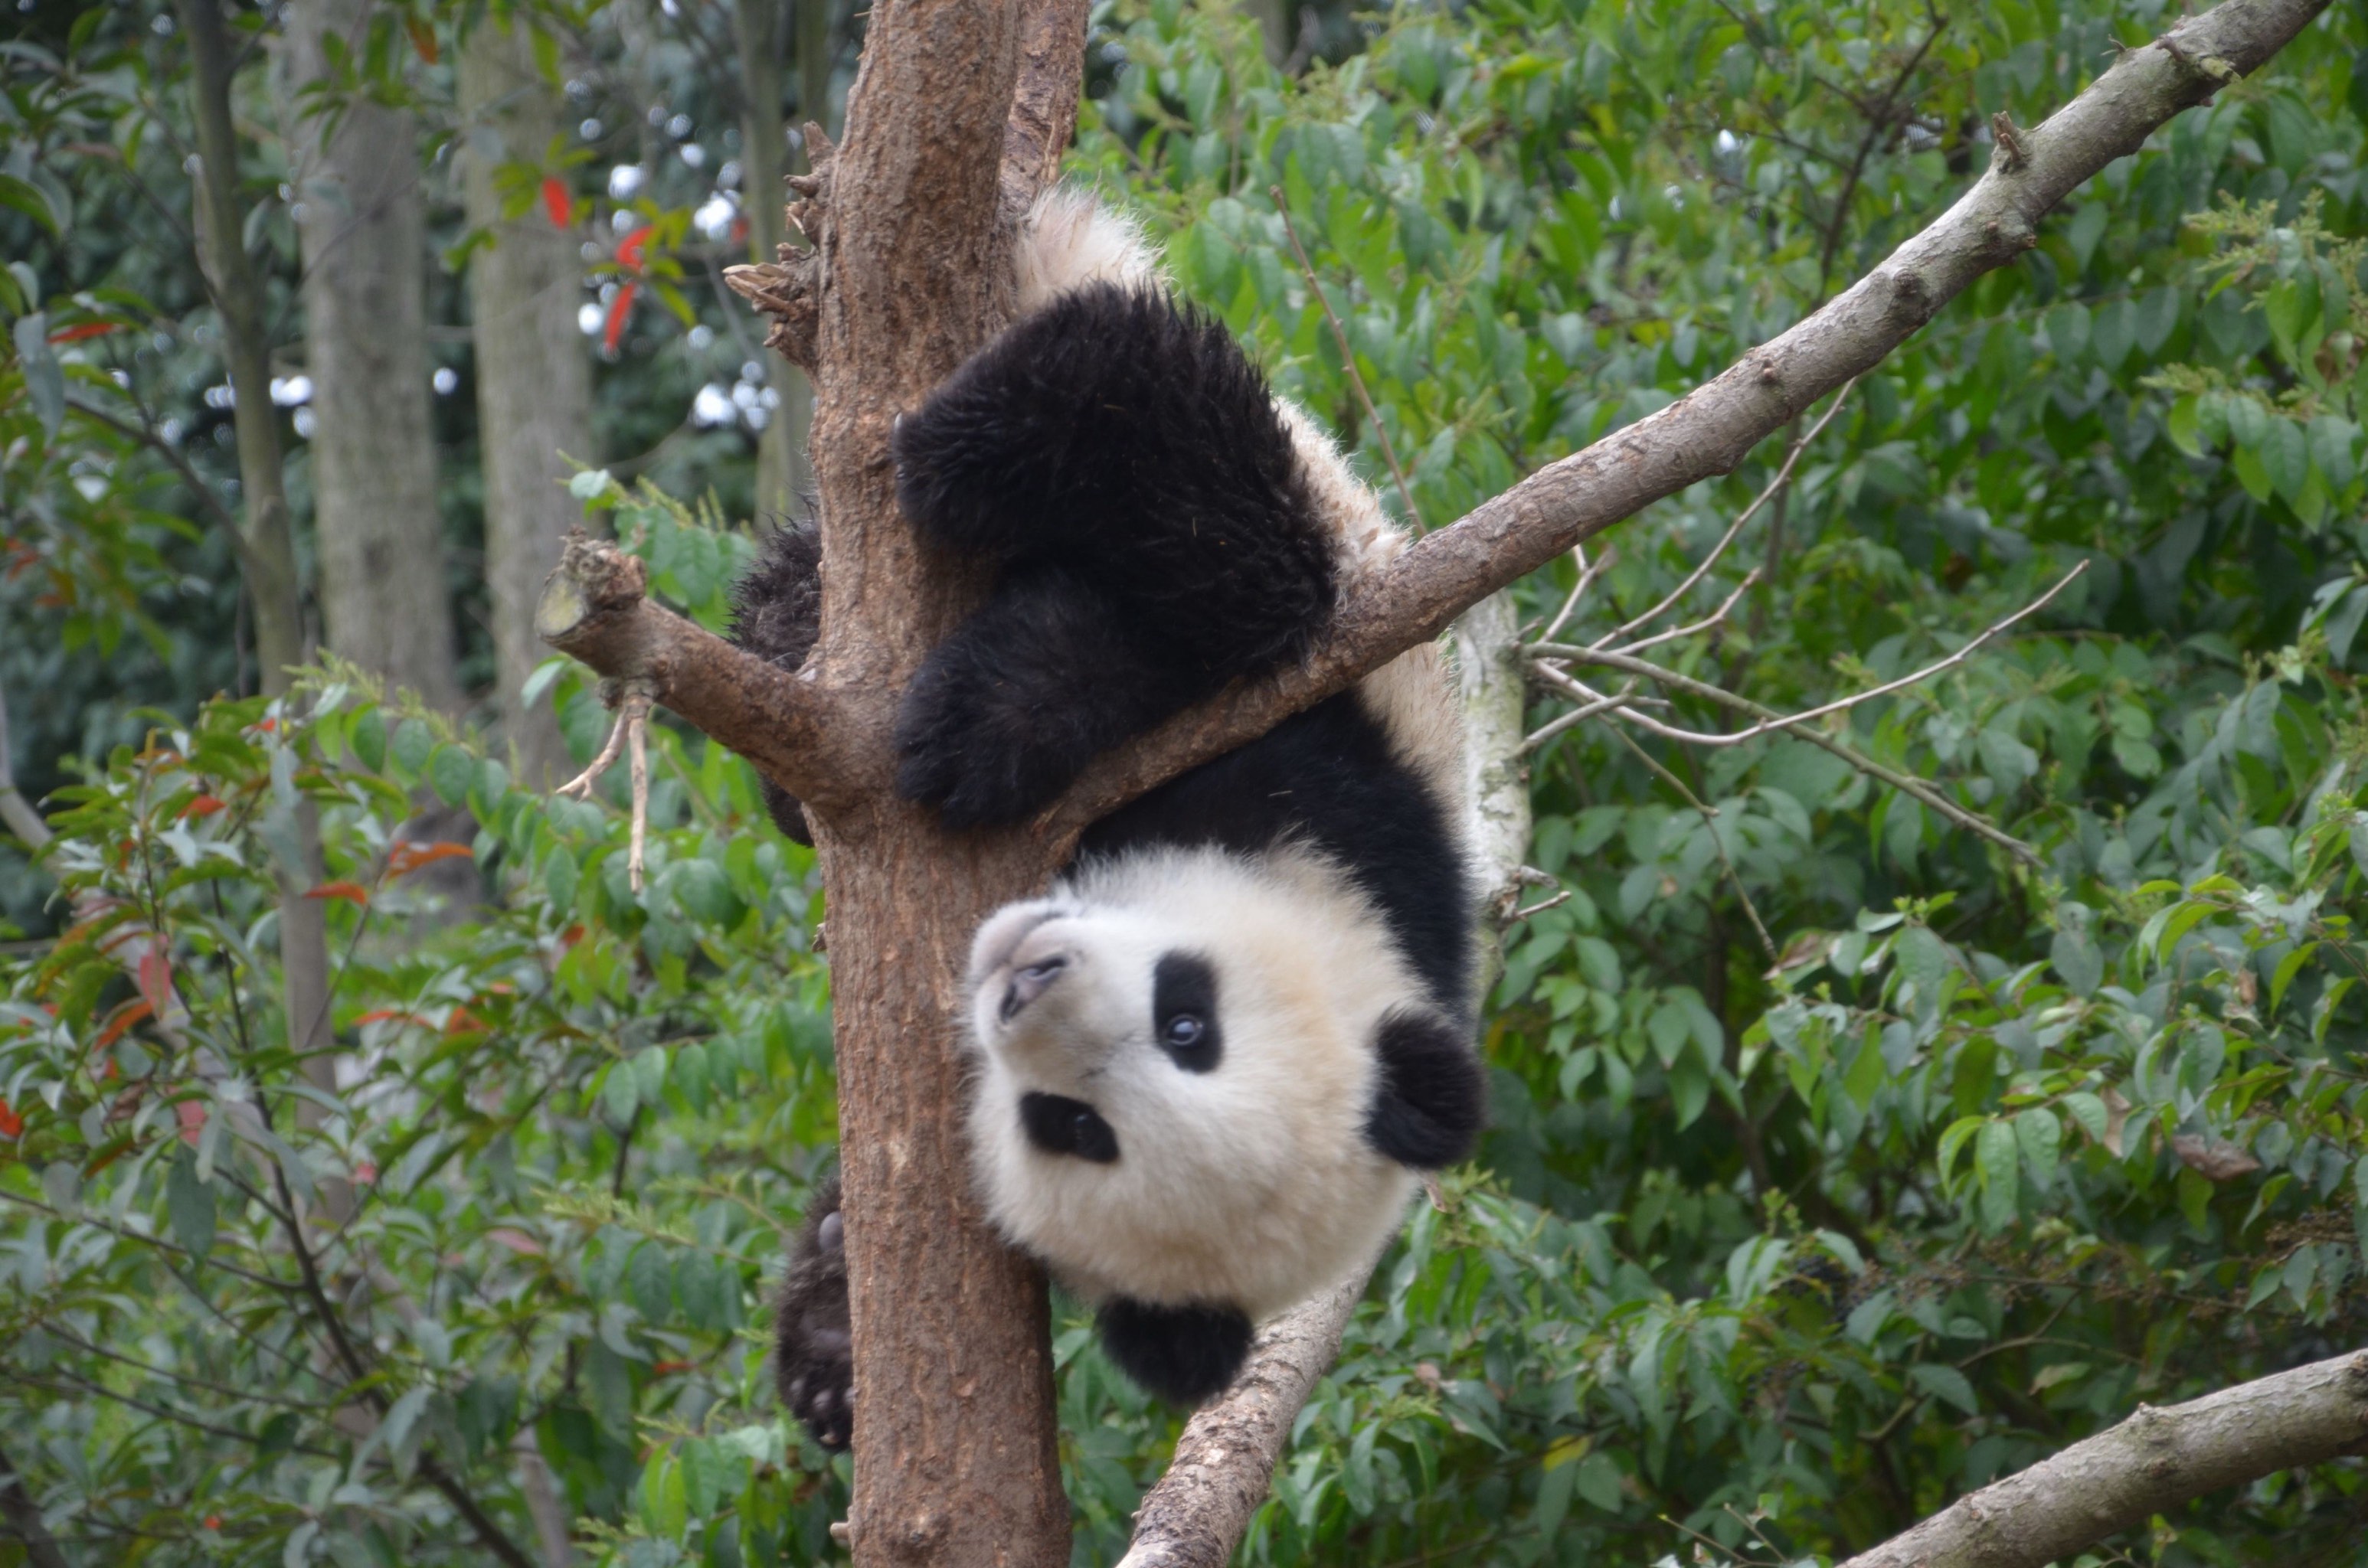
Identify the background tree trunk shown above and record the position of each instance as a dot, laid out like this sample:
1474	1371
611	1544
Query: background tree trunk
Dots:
267	555
534	374
759	26
384	602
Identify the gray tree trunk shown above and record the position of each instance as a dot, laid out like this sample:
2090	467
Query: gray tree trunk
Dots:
383	601
534	374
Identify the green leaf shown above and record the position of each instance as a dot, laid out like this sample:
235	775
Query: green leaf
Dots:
412	741
1866	1075
2041	1137
365	733
451	771
2112	332
1946	1384
2089	1110
2158	317
190	1204
29	199
1995	1161
649	1283
2075	958
1689	1089
1599	1481
1554	1487
45	379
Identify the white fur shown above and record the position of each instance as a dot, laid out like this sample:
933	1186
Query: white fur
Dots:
1252	1183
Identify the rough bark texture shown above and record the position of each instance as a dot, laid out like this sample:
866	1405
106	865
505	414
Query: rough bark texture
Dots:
2154	1462
534	373
1227	1451
955	1456
379	536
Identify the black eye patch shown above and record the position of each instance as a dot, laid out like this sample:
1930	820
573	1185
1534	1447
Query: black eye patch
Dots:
1184	1011
1059	1125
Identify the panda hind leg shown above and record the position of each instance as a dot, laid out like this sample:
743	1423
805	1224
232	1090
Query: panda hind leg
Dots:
814	1368
1184	1355
1006	712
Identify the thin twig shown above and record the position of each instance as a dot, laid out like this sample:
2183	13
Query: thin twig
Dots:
1578	716
630	731
1621	661
1784	475
1586	576
1539	908
1906	784
1348	359
1714	618
1710	822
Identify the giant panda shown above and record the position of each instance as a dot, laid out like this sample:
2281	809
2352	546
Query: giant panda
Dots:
1211	1061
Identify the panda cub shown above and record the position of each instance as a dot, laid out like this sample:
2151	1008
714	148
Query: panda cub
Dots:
1210	1062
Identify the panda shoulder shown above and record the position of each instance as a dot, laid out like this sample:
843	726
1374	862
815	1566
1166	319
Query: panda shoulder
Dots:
1070	240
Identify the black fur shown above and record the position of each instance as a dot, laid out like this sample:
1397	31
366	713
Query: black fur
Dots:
813	1346
1325	777
1431	1102
777	615
1059	1125
1183	1354
1184	989
1124	464
1008	710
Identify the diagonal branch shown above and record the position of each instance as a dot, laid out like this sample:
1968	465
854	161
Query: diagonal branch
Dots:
1715	427
2151	1463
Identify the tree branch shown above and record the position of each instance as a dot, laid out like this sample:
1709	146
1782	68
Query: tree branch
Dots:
592	608
1714	428
24	1520
1218	1478
2154	1462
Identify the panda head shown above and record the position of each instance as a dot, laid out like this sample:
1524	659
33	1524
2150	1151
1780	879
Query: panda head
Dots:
1178	1055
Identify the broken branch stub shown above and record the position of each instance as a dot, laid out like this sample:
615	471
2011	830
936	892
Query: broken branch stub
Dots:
594	608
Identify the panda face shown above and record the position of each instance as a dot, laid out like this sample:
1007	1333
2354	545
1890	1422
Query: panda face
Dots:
1175	1060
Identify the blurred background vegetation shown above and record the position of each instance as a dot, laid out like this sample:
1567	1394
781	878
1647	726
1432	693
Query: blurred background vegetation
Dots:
1844	1157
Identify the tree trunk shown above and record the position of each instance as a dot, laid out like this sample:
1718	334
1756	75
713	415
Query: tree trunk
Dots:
534	375
268	558
783	471
379	534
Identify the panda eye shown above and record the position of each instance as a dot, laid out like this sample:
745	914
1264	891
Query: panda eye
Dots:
1183	1031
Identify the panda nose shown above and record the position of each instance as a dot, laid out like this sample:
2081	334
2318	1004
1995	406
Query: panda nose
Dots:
1030	983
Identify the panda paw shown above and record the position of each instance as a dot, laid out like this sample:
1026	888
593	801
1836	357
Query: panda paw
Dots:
814	1368
1184	1355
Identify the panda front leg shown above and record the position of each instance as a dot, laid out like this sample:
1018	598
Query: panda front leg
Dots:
813	1365
1006	713
1184	1355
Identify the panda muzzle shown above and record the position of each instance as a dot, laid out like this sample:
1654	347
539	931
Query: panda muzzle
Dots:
1031	982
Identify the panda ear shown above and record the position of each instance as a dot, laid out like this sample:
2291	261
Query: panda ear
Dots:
1429	1099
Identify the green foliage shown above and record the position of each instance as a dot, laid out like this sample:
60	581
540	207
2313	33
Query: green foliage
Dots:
1775	1246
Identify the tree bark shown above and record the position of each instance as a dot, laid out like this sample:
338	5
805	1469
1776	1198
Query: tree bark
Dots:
1495	688
24	1520
955	1456
379	533
534	373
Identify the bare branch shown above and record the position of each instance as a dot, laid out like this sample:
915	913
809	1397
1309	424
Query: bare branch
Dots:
23	1516
1624	659
2151	1463
1783	477
17	813
1714	428
593	608
1905	783
1199	1508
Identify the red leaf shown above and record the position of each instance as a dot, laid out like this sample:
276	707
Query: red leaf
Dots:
404	858
86	329
667	1368
423	39
619	308
380	1015
353	892
11	1124
462	1020
557	202
628	250
365	1174
203	806
122	1018
516	1241
570	936
192	1117
154	975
